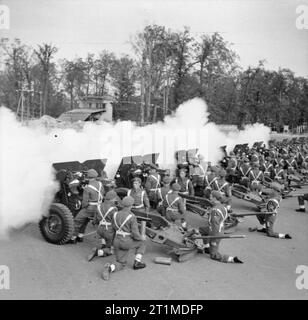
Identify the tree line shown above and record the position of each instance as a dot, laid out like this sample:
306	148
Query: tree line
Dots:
166	68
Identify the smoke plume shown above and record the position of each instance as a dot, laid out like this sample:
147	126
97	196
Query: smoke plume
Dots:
27	184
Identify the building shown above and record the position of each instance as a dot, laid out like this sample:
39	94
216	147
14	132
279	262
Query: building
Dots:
102	103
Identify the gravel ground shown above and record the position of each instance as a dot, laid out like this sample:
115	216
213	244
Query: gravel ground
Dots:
39	270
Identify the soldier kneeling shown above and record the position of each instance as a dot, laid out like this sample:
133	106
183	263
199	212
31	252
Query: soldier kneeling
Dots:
105	231
215	227
127	236
267	221
174	207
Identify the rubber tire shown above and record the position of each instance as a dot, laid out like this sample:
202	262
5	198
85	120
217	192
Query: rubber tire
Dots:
67	218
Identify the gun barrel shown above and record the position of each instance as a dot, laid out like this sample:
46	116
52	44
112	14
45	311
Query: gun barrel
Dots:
250	214
293	195
237	236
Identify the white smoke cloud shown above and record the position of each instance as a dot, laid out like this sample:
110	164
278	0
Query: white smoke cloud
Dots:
27	183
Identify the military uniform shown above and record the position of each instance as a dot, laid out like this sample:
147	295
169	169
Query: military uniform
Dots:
152	185
141	199
186	186
105	217
301	202
127	237
244	170
92	198
255	179
267	221
174	207
211	182
223	187
267	169
215	227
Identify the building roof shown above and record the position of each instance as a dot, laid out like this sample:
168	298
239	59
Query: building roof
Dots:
79	114
106	97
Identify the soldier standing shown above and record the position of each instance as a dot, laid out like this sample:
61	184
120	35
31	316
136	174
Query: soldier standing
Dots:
91	201
127	237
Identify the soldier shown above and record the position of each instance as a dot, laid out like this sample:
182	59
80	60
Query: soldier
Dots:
232	163
245	169
301	202
210	180
162	194
254	157
256	177
174	207
267	221
267	168
278	174
127	237
141	200
223	187
105	231
185	183
91	201
215	227
202	165
152	185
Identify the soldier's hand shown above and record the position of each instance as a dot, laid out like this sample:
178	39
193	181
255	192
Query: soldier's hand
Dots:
143	237
287	236
237	260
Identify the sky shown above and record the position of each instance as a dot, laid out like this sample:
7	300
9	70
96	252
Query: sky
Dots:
258	29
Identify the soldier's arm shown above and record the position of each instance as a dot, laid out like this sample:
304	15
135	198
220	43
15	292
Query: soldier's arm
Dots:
181	206
146	202
147	185
85	198
191	188
134	229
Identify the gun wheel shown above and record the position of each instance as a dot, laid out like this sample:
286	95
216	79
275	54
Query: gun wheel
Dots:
58	226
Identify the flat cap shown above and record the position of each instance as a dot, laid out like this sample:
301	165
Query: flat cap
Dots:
111	195
92	173
128	201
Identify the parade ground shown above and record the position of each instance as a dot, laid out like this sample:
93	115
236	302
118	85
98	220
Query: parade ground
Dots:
39	270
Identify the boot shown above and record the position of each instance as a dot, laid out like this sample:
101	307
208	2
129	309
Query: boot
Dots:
207	250
262	230
79	239
300	210
106	272
93	254
72	241
139	265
